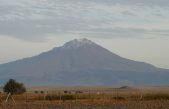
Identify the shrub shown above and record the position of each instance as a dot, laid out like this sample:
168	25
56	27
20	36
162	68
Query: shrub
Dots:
62	97
159	96
119	98
14	87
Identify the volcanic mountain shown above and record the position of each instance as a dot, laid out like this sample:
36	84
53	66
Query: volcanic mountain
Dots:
82	62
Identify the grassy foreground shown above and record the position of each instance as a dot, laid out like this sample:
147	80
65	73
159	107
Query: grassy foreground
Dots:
119	99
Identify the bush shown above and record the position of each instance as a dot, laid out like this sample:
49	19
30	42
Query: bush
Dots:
62	97
119	98
14	87
156	97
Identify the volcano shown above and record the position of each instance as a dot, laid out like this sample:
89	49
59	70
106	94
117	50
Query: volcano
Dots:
85	63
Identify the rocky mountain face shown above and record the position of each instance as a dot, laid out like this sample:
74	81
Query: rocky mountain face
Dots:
82	62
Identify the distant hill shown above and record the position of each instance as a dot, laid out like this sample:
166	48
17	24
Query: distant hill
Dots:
82	62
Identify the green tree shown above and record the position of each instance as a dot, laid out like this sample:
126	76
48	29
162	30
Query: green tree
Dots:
14	87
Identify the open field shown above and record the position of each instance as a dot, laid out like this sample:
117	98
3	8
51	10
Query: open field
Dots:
90	98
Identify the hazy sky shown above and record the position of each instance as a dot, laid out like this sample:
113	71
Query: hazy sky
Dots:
135	29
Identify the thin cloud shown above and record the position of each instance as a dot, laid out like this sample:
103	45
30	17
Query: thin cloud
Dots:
36	20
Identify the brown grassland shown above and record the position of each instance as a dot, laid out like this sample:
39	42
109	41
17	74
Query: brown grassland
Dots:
100	98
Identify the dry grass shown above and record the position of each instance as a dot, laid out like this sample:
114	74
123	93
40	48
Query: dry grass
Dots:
88	104
117	99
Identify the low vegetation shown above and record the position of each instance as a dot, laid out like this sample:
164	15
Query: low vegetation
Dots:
117	99
13	87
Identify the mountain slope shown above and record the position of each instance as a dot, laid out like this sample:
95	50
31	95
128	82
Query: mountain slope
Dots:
82	62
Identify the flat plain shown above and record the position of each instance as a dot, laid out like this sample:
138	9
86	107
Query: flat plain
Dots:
89	98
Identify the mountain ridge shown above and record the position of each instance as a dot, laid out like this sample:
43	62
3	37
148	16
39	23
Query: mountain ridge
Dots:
82	62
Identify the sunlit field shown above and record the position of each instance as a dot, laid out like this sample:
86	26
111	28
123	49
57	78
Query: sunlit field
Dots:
93	98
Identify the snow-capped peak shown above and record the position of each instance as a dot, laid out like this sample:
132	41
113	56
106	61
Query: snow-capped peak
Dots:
77	43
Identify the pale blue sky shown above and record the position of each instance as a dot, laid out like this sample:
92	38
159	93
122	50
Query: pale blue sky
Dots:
135	29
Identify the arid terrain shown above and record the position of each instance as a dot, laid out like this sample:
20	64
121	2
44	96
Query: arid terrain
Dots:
89	98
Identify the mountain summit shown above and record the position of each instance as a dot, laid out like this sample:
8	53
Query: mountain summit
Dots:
78	43
82	62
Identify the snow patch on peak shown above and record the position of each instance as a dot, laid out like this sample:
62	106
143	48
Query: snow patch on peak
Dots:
77	43
82	41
